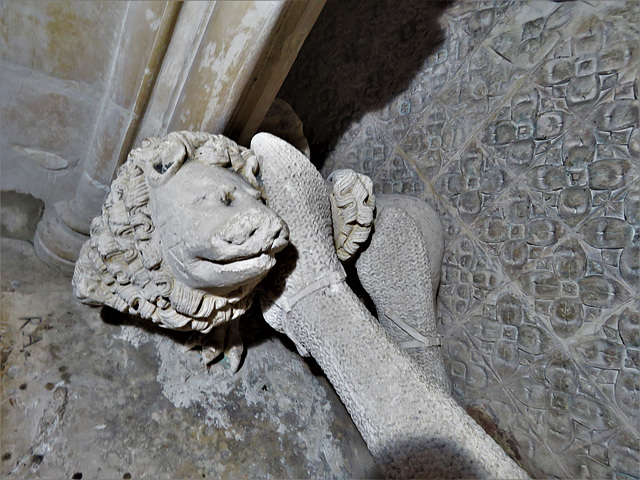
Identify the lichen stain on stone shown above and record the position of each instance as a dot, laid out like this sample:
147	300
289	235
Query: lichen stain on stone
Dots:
79	40
489	424
21	32
62	30
11	17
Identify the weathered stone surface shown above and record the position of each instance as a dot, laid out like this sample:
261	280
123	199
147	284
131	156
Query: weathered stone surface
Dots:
184	239
184	236
19	215
85	83
77	380
523	122
73	41
423	432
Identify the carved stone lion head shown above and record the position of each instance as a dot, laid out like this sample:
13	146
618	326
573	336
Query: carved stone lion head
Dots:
184	236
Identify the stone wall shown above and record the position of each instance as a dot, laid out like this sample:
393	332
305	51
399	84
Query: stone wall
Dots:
55	63
518	121
84	82
76	78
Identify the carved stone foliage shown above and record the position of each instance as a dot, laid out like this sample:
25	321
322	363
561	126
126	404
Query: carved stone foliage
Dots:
521	128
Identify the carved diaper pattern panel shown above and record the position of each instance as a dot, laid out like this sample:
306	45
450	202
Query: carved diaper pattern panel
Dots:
519	124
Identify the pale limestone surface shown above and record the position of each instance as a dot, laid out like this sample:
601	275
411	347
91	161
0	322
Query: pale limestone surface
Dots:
104	395
518	122
184	237
67	77
208	230
83	83
411	424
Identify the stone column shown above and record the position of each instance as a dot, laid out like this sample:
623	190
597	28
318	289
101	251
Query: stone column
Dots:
210	66
146	31
225	65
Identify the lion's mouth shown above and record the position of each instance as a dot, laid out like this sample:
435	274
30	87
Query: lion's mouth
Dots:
224	261
223	268
220	258
241	261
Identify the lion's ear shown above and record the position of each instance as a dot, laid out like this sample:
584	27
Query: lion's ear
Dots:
163	162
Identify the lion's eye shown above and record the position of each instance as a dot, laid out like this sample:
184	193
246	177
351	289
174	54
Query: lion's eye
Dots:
161	167
228	198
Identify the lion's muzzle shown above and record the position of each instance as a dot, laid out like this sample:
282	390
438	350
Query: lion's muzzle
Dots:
248	234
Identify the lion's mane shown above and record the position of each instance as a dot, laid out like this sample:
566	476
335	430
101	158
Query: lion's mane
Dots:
122	267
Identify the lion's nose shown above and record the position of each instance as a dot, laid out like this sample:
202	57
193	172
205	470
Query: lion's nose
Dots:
241	228
255	231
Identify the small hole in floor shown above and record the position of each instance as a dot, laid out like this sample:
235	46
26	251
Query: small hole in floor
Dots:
6	456
77	476
126	476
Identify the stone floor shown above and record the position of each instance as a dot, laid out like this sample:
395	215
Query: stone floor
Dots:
95	394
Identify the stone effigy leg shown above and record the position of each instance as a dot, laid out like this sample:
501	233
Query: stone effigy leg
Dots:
397	259
411	425
400	271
